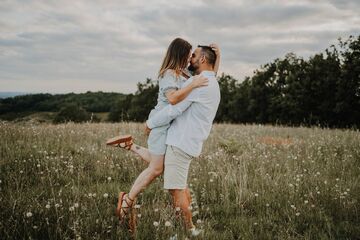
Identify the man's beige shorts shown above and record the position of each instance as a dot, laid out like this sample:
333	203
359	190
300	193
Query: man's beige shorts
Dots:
177	164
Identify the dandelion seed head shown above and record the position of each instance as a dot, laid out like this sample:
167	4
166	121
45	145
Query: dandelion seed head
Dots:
167	224
106	195
156	224
47	206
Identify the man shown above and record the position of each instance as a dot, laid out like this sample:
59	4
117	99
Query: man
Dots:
193	118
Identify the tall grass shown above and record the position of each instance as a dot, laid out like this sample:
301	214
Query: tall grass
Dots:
251	182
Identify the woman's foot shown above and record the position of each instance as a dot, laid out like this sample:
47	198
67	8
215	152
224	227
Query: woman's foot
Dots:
123	206
124	141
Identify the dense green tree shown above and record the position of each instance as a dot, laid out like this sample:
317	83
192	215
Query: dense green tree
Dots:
72	113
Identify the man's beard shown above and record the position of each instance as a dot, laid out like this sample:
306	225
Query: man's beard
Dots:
192	68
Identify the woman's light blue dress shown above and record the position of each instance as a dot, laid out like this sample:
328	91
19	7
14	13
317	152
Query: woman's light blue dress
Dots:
157	137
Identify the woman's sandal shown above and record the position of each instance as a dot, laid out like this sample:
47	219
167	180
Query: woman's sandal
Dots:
125	141
123	206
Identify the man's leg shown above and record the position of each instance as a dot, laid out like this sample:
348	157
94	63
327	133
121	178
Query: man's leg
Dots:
181	199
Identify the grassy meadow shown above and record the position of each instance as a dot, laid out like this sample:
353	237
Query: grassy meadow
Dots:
251	182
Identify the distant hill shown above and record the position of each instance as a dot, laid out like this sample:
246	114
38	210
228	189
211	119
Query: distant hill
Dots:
11	94
20	105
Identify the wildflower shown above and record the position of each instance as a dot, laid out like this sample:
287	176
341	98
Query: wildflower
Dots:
156	210
106	195
71	209
255	223
109	179
137	206
57	205
76	205
312	205
139	215
29	214
167	224
306	201
47	206
267	205
177	209
297	214
198	221
38	165
156	224
256	194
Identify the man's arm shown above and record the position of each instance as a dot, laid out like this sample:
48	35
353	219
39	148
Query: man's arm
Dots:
216	49
168	113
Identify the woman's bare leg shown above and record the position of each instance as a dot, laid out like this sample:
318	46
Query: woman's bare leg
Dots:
144	153
155	168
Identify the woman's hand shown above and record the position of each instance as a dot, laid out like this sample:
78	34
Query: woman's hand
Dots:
199	81
216	49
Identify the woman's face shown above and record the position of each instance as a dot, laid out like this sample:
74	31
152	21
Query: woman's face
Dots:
189	58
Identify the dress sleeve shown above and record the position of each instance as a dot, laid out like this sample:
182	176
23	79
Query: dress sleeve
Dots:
168	82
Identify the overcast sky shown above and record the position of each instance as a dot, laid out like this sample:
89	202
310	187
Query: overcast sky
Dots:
60	46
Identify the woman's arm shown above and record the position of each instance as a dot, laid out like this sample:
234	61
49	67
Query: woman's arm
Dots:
216	49
175	96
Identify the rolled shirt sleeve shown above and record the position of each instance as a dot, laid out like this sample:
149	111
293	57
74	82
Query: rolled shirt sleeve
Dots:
167	114
170	112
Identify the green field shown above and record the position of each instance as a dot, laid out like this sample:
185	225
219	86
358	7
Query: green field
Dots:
251	182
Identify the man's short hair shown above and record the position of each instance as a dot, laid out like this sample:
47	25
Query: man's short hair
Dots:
209	54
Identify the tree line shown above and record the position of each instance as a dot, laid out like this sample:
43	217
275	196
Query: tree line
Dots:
323	90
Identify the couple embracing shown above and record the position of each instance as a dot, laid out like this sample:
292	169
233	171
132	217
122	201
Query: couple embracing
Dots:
188	99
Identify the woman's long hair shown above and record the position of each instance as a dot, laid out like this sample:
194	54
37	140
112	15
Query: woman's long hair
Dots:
176	57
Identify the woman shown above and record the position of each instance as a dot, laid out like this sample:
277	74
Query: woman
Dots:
172	74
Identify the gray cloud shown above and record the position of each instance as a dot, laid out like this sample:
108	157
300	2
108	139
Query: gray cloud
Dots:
63	46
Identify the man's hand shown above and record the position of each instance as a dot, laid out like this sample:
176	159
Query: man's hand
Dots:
216	49
147	130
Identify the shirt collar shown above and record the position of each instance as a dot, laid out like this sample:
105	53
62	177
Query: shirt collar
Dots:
208	73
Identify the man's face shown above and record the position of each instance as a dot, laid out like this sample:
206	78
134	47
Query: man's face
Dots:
195	61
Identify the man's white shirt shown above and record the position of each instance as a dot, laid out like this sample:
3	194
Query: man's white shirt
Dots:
193	116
